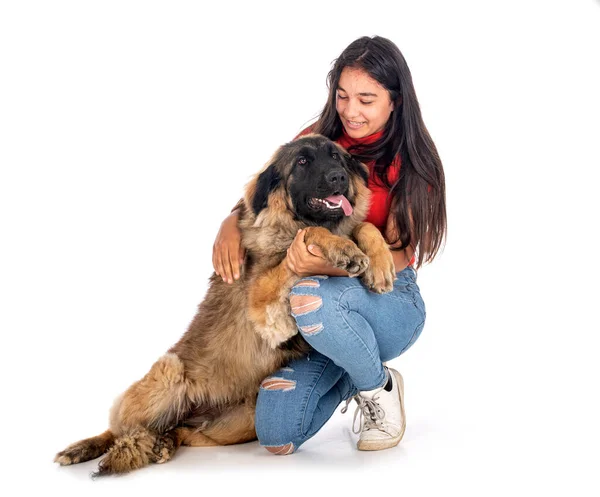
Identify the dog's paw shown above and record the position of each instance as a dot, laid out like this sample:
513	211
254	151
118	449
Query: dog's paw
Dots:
84	450
345	255
164	449
73	454
380	275
378	280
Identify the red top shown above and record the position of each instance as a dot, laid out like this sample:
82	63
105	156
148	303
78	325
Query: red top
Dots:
379	208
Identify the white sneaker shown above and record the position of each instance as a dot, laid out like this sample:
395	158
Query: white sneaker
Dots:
382	418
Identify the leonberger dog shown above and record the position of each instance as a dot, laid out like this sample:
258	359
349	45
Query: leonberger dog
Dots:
203	391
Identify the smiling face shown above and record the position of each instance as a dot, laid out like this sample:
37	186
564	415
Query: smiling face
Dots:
364	106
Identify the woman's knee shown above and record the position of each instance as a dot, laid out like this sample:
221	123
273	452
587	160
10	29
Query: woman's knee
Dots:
274	429
311	286
314	301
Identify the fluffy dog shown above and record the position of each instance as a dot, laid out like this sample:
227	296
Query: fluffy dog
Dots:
202	392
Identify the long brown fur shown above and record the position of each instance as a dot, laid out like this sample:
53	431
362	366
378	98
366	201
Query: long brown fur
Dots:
202	392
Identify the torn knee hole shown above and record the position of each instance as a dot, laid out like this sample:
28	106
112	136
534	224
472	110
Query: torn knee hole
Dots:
302	304
280	450
311	329
275	383
308	283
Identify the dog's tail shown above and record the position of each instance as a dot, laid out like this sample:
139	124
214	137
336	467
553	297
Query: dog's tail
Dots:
86	450
123	453
128	452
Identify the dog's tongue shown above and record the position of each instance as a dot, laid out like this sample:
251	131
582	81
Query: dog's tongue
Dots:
335	199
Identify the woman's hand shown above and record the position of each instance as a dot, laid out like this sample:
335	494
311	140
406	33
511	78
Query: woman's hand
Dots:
308	261
228	253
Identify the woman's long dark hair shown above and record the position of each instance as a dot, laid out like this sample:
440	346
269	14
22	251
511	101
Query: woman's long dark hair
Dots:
420	189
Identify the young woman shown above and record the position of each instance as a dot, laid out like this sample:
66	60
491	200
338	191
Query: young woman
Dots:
372	110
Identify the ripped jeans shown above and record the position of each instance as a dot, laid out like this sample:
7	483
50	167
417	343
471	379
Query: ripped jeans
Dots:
352	331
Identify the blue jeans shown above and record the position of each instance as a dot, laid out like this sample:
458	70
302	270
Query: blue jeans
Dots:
352	331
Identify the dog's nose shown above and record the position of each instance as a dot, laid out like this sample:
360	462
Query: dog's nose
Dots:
337	177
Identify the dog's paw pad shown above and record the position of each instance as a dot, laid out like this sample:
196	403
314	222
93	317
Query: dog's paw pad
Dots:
349	258
357	265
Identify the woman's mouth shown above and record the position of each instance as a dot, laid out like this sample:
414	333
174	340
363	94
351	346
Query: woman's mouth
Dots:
355	124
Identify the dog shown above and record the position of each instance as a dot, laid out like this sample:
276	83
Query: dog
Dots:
203	391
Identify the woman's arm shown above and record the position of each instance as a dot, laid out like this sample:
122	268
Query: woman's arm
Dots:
228	253
402	257
308	261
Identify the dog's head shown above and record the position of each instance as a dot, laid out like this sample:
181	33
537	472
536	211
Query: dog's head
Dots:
314	179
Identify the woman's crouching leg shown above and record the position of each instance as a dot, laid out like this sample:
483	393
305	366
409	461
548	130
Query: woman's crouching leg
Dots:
295	402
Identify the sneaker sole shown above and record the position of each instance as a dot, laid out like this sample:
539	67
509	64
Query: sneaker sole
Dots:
391	442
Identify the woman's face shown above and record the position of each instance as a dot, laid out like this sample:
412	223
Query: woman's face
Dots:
364	106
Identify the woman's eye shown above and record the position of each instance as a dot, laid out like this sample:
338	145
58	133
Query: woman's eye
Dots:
335	156
302	161
342	98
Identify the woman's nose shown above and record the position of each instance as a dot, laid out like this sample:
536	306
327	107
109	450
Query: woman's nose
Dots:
351	109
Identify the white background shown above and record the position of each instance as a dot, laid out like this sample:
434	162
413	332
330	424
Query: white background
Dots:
129	129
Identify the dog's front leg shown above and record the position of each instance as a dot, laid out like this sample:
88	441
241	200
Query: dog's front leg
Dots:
339	252
269	307
379	276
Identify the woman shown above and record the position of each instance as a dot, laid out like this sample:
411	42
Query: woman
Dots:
372	110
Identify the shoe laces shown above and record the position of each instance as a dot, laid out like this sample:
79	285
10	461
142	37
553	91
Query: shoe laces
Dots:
371	413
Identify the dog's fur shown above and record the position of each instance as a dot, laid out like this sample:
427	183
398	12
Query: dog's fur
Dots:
202	392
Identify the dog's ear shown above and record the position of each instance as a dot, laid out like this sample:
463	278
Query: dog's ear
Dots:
267	181
356	166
